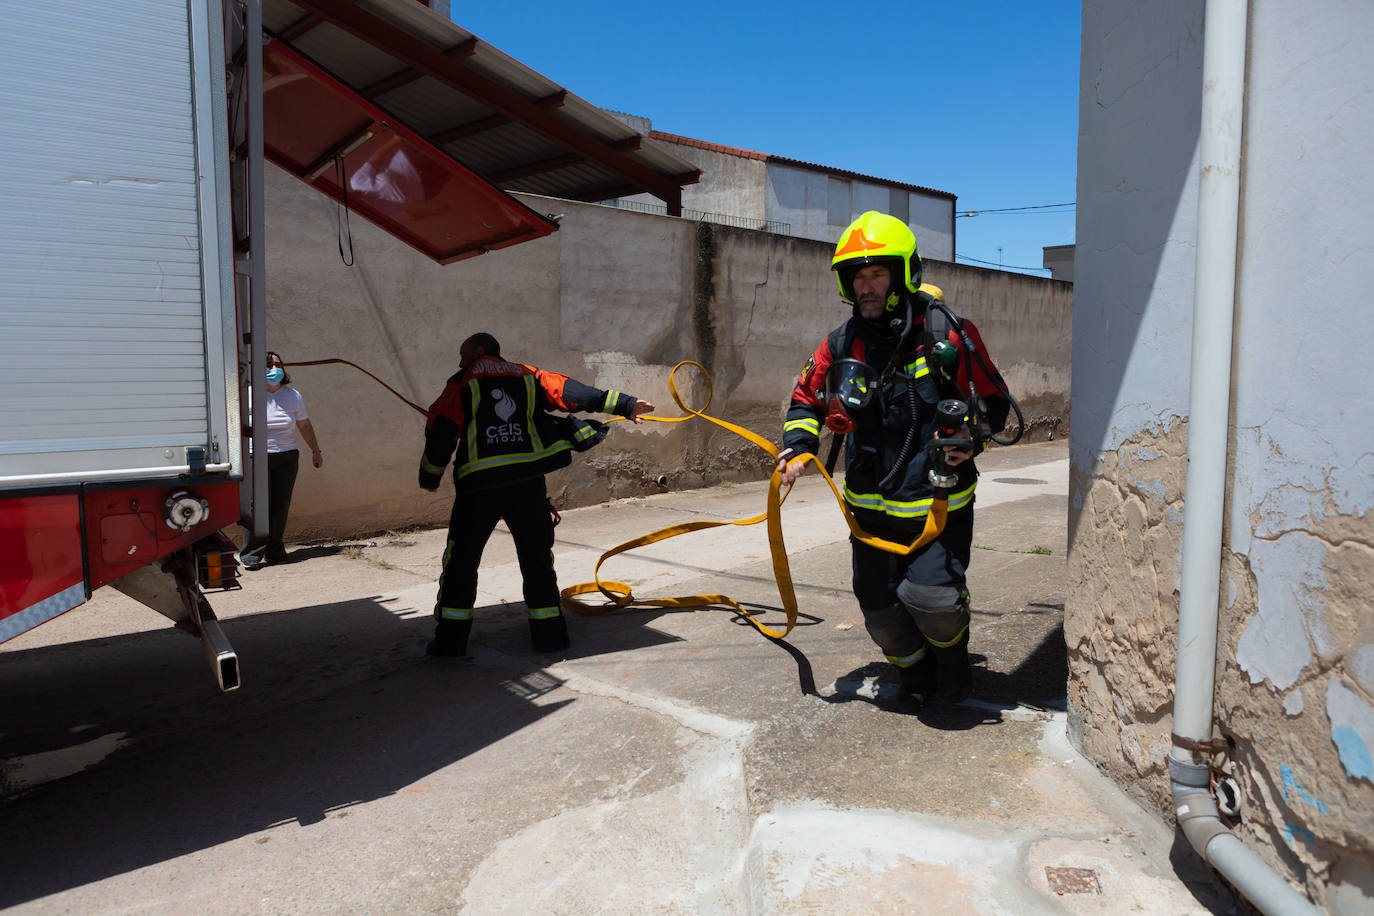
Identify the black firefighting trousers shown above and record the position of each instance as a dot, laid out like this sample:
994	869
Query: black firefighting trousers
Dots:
524	506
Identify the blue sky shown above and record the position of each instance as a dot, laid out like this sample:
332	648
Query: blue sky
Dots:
976	98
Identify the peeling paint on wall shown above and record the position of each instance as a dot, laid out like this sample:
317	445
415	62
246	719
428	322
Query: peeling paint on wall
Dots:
1290	578
1153	488
1298	546
1296	479
1352	728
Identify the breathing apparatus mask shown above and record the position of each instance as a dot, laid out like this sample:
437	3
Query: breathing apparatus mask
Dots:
851	384
849	387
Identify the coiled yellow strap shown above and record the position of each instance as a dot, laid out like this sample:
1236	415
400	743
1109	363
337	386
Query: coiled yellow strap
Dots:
620	594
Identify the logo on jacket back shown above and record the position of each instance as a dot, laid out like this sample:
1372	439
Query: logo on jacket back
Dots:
505	431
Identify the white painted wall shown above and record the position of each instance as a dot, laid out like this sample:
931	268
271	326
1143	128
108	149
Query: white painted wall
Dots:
1296	683
932	219
730	185
1304	452
801	198
1139	110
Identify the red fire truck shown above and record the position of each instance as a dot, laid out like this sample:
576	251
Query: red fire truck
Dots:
132	280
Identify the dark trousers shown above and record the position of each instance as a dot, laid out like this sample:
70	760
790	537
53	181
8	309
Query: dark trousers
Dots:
877	574
524	506
281	480
944	561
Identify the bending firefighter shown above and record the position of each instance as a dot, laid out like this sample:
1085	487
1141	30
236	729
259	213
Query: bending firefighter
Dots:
496	414
902	373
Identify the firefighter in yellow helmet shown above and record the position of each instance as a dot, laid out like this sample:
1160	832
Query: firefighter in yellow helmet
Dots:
877	380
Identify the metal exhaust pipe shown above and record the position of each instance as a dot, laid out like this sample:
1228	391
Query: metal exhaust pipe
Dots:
222	657
175	594
224	661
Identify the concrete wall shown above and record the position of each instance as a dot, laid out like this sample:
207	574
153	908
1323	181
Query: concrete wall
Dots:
614	298
1296	654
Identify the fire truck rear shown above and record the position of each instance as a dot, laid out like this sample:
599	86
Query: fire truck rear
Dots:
127	309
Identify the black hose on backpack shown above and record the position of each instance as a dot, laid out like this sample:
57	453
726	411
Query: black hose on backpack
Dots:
995	378
1020	424
904	455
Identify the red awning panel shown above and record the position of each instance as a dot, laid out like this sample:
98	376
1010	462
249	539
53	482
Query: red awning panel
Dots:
394	178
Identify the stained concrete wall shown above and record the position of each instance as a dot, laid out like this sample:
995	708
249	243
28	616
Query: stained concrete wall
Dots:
615	298
1295	670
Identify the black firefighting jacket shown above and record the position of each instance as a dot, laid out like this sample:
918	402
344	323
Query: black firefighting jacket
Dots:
496	413
872	450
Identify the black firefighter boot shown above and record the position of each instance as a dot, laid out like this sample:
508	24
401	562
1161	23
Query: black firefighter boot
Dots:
953	670
919	677
450	639
549	634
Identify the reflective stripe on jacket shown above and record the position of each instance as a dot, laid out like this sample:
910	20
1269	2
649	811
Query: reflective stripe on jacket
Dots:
495	414
881	429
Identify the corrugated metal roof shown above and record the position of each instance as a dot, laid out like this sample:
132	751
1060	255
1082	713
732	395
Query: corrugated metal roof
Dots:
507	123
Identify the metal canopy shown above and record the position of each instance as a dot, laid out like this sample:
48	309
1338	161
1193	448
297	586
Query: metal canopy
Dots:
501	120
331	138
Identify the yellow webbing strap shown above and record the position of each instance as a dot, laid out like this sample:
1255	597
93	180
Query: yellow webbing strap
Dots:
620	595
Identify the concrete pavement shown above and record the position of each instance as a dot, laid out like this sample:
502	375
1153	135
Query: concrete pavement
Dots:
670	762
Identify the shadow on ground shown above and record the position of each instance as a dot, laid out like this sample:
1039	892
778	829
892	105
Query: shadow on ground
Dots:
1038	681
338	707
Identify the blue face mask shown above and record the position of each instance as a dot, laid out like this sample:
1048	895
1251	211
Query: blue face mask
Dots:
275	375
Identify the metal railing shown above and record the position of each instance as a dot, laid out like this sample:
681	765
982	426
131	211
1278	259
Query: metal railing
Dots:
720	219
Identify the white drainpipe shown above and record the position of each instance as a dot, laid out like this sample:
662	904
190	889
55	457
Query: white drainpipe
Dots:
1223	108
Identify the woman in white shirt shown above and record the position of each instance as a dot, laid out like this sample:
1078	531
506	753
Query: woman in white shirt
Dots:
285	417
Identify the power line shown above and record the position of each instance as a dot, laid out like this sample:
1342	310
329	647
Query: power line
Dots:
964	257
1072	203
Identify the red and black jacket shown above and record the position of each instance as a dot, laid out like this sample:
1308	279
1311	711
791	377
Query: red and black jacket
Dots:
496	414
875	445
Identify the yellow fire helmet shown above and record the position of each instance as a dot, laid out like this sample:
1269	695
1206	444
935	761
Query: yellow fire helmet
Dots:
876	238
